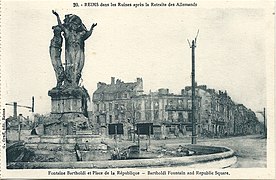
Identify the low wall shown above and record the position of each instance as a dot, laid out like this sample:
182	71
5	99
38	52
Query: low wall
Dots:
63	139
199	149
13	135
225	159
62	148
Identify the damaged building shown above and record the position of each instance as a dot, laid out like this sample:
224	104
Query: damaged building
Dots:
216	113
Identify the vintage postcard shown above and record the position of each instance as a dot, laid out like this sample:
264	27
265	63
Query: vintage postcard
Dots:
137	89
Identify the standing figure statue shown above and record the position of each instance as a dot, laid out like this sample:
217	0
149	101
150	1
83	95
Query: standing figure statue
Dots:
75	33
55	54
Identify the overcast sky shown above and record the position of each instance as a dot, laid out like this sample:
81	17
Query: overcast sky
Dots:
144	42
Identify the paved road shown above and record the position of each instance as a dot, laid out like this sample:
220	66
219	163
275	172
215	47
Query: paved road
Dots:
250	150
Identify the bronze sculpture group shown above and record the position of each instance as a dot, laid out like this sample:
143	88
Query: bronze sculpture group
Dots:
74	33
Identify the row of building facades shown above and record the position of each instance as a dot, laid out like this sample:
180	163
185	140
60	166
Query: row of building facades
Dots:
216	113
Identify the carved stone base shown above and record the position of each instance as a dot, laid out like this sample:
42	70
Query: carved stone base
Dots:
66	124
68	111
68	100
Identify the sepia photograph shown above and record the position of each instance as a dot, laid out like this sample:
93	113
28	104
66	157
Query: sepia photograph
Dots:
154	90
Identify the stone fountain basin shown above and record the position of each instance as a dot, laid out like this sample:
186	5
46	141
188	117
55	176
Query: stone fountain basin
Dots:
218	157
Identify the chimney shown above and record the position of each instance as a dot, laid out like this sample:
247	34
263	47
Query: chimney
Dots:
20	117
184	92
187	88
139	82
99	84
163	91
33	104
112	80
15	110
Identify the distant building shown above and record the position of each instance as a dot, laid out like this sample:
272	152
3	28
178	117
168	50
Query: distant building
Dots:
126	103
13	123
219	115
216	114
112	102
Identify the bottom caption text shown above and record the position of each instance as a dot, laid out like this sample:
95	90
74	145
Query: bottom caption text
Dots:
138	173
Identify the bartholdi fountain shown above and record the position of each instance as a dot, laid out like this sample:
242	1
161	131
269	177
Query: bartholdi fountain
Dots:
69	99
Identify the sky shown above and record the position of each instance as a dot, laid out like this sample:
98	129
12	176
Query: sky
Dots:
138	42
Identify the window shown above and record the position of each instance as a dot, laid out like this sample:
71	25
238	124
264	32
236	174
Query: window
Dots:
97	107
156	104
189	117
148	115
104	118
170	115
98	119
138	116
180	117
116	117
110	107
123	117
139	106
110	118
104	106
125	95
189	104
116	106
185	104
148	104
156	115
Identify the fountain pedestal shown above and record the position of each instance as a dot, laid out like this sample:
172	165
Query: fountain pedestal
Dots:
68	111
68	100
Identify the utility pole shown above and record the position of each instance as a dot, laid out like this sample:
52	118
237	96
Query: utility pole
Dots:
133	120
116	129
149	135
264	124
263	114
19	128
194	123
32	103
193	95
15	106
138	129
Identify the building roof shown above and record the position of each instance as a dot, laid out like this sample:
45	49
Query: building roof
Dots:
114	88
